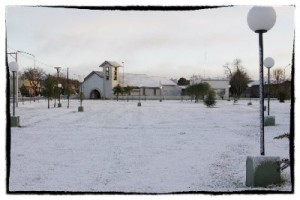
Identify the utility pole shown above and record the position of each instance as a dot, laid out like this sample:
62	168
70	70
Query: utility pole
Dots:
57	69
17	78
123	74
68	89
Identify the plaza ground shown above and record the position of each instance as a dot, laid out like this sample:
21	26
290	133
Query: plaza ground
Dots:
160	147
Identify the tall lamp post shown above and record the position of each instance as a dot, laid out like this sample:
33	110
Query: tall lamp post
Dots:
261	20
229	86
261	171
14	120
139	103
59	92
160	90
123	74
58	70
250	93
269	62
80	108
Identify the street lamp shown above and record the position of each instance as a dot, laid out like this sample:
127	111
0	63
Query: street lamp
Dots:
269	62
15	120
123	74
160	88
261	20
139	103
229	86
57	79
59	91
80	108
262	171
249	86
284	77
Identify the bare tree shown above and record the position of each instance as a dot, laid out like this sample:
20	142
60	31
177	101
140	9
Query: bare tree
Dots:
237	63
35	77
238	77
278	74
227	70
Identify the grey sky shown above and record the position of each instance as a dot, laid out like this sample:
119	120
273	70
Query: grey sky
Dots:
173	44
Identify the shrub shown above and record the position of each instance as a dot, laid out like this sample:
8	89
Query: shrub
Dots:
282	95
210	99
285	162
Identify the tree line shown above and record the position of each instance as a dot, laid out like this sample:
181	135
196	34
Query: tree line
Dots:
238	82
119	90
39	83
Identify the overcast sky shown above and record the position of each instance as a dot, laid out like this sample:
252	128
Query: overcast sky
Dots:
172	44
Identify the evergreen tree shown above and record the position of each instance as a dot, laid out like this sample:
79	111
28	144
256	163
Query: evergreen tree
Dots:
198	91
238	78
24	91
127	90
210	99
49	85
117	91
183	81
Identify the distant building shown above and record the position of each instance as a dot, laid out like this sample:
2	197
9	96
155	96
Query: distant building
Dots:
221	86
27	85
100	84
275	87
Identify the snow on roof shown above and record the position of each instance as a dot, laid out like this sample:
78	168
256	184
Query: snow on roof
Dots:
112	63
143	80
99	73
256	82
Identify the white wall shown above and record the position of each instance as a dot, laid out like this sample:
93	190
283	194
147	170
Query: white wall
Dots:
92	83
219	84
171	90
111	83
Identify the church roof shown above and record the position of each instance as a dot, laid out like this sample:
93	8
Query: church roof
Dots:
111	63
143	80
99	73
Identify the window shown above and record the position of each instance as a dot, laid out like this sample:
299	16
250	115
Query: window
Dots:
107	73
115	73
144	91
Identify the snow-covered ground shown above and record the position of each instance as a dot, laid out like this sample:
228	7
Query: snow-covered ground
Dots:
160	147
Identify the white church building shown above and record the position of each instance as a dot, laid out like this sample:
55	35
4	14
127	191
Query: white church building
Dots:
100	84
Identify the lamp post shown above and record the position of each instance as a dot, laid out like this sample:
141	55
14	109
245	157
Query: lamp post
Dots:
269	62
80	108
160	89
123	74
15	120
284	77
229	86
261	20
262	171
58	69
139	103
249	86
59	92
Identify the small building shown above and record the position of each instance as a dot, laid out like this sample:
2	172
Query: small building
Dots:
221	86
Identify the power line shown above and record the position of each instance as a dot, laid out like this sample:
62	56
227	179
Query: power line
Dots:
37	61
29	57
